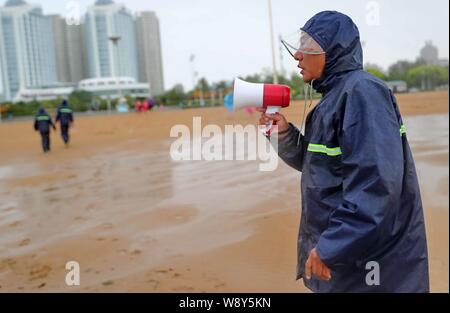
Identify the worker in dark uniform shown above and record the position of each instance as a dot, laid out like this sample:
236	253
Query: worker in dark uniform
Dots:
65	116
362	223
42	123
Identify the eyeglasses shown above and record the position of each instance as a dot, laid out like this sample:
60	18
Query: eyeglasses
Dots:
292	50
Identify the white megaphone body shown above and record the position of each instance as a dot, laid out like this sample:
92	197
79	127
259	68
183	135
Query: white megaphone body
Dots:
269	96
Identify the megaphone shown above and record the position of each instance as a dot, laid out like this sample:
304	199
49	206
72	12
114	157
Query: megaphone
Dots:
269	96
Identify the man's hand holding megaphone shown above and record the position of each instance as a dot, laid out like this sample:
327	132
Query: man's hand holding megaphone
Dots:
276	118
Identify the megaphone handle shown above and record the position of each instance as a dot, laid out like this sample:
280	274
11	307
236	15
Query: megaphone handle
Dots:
271	110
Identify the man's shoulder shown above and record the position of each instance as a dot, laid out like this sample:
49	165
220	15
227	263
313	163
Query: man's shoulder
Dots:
362	80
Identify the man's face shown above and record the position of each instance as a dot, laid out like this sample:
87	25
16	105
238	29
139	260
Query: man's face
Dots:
311	65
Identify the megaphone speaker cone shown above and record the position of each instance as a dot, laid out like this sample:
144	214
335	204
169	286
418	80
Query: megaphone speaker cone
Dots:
276	95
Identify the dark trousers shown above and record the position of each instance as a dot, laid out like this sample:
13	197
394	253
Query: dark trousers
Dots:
45	136
65	133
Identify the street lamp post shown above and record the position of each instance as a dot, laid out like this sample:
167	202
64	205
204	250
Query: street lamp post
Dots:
194	80
191	60
274	66
282	69
115	40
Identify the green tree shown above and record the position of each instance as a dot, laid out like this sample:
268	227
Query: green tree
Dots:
202	84
223	84
398	70
80	100
24	108
255	78
297	86
172	96
376	72
427	77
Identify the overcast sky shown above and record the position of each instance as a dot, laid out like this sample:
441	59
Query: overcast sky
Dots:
231	38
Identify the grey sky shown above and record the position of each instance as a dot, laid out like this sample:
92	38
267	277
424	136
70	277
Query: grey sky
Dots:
231	38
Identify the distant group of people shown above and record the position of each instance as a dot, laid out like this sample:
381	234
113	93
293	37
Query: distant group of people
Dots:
43	122
144	106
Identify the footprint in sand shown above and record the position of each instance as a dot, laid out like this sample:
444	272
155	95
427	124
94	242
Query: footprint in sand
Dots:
122	251
161	271
136	252
147	240
42	285
219	285
15	224
7	262
39	271
154	282
107	225
108	283
24	242
50	189
90	206
53	199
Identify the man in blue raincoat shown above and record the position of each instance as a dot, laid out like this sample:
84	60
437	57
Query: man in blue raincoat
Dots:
42	123
362	227
64	115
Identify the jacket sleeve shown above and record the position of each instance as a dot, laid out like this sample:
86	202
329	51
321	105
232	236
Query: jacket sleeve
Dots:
288	150
36	126
372	167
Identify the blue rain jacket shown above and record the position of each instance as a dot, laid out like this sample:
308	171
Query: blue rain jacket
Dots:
64	114
43	121
360	194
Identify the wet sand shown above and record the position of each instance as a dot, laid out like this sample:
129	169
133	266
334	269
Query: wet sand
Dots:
137	221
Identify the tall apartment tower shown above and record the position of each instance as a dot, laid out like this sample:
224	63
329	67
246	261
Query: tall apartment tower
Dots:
27	53
104	20
429	53
149	51
69	50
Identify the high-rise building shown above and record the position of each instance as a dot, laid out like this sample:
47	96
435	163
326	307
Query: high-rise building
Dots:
429	53
60	43
27	53
149	51
103	20
69	50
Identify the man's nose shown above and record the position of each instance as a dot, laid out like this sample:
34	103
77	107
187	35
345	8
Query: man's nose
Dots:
298	55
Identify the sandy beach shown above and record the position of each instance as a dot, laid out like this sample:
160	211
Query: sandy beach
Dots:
135	220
